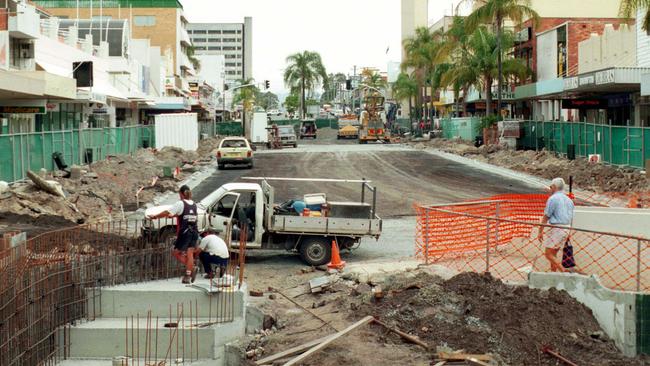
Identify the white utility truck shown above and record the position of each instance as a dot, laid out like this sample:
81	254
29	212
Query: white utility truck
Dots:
281	226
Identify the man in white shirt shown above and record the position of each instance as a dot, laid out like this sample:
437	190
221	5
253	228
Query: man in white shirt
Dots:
213	250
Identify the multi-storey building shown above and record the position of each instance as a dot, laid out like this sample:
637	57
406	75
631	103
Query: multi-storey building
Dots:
232	40
161	21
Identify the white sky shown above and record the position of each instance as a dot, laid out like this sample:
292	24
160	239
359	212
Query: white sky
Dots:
344	32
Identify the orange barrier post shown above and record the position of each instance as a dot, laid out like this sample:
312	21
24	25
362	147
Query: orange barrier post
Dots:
335	262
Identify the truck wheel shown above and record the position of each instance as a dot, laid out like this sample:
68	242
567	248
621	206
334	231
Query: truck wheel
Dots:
316	251
167	236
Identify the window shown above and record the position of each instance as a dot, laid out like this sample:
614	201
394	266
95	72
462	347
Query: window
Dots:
238	32
238	39
230	64
230	72
198	39
199	48
239	64
144	20
229	48
214	39
229	39
229	32
214	32
200	32
238	48
214	48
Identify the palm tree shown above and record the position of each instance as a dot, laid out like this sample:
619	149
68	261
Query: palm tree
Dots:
421	54
246	96
630	7
480	64
304	71
373	79
495	12
405	87
453	69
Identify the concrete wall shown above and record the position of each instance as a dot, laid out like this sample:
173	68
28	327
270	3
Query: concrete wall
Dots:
627	221
642	42
576	8
614	48
615	311
414	15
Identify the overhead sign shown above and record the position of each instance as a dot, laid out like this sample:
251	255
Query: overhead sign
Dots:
52	107
590	79
584	104
23	109
523	35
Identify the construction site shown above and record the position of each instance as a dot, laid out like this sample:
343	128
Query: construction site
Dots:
456	276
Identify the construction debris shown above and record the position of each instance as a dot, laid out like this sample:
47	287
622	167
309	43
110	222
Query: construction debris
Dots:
102	190
319	284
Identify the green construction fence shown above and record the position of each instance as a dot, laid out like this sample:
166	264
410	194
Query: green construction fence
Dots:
460	128
618	145
33	151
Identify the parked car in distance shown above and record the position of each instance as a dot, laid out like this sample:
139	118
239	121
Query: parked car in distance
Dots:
308	128
234	151
288	136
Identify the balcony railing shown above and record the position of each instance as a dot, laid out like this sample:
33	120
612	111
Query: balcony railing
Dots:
109	3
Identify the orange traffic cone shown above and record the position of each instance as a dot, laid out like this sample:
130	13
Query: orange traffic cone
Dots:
335	262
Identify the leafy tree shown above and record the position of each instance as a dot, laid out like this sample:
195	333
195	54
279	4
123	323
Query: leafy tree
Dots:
373	79
305	71
267	100
292	103
246	95
495	13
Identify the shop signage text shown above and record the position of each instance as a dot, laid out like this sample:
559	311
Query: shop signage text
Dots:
23	110
594	78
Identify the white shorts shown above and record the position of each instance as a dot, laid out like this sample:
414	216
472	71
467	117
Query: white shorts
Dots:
555	237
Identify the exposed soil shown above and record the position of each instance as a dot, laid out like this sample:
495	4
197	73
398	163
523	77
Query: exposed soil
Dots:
470	312
105	189
588	176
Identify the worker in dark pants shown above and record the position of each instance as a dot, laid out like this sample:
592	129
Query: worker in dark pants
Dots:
213	251
187	232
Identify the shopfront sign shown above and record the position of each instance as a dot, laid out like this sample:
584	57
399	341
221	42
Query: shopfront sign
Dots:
22	109
52	107
590	79
584	103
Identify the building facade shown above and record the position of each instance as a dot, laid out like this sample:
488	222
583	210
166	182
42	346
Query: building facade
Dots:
233	41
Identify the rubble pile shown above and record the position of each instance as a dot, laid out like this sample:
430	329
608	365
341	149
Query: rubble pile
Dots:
589	176
105	188
470	313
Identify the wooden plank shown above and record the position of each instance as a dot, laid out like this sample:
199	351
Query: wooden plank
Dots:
474	362
406	336
292	351
334	337
462	356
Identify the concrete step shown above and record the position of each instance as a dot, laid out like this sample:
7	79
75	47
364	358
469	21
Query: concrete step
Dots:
107	338
161	296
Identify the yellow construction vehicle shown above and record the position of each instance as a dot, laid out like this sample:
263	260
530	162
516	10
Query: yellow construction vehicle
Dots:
372	125
348	127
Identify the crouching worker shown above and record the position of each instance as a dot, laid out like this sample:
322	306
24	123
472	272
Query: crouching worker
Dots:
213	251
187	232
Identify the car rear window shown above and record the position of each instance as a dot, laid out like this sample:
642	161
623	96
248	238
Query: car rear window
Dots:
233	143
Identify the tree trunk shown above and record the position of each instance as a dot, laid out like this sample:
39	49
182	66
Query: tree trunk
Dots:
303	108
465	91
410	110
500	66
488	95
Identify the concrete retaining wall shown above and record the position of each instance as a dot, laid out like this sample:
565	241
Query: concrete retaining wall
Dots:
617	312
628	221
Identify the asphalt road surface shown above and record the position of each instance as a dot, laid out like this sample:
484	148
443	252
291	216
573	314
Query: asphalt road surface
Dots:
403	176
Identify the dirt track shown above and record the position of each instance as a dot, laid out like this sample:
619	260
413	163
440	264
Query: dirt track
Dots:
401	176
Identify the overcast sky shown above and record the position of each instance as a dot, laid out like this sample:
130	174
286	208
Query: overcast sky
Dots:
344	32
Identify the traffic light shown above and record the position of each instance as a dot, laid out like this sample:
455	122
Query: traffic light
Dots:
267	84
348	84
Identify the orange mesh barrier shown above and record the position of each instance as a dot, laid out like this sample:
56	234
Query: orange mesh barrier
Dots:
500	235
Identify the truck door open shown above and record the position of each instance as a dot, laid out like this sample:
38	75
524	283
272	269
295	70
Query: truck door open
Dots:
220	215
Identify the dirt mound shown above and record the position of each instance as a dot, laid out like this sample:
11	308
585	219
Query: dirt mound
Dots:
588	176
480	314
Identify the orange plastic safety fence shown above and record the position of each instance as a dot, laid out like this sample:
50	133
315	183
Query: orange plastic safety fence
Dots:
500	235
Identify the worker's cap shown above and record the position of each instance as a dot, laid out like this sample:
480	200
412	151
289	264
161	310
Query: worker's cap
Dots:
184	189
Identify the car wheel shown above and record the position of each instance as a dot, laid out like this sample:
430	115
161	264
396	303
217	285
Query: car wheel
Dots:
220	166
250	166
316	251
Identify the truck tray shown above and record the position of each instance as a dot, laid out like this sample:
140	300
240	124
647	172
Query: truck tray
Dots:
326	225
